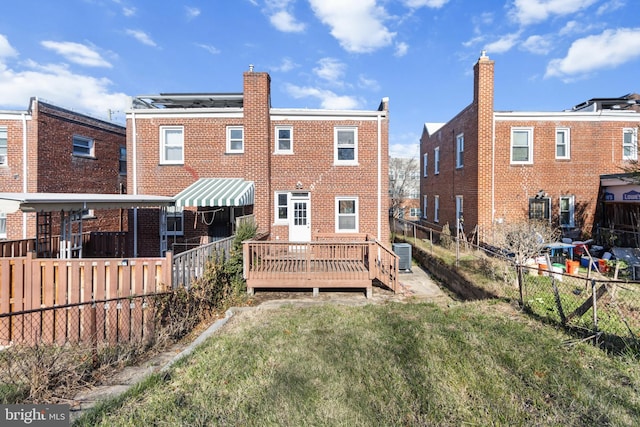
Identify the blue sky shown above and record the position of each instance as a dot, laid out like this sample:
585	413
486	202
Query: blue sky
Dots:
94	55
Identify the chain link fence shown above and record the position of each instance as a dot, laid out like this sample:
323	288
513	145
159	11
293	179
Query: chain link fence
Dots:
599	303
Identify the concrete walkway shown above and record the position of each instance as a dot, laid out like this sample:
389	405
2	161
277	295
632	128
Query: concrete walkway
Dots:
415	286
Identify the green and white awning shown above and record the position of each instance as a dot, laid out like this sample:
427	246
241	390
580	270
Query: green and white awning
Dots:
216	192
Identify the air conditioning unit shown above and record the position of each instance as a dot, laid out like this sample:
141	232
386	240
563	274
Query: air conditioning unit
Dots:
635	271
403	250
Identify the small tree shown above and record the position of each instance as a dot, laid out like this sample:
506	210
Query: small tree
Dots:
403	180
526	239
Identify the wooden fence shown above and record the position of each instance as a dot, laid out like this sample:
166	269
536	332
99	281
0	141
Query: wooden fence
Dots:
53	295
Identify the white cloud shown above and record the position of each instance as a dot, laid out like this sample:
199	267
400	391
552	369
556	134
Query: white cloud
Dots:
6	50
330	69
328	100
128	11
503	44
401	49
285	22
286	65
142	37
366	83
537	44
528	12
209	48
57	84
404	150
606	50
610	6
575	27
77	53
192	12
358	25
428	3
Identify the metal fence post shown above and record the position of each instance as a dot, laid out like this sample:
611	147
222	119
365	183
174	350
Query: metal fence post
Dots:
594	300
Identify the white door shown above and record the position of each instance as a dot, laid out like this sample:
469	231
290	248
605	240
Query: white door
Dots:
300	222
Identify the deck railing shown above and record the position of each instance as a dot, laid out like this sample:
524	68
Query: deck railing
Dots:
190	265
318	264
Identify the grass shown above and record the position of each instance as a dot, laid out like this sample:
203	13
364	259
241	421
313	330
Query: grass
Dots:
398	364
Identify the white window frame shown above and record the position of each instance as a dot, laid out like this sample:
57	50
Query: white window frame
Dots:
164	144
231	140
631	145
414	175
4	146
436	208
436	161
277	206
414	212
572	211
460	211
425	165
459	150
355	214
566	133
425	205
337	146
85	144
529	132
175	212
279	150
3	225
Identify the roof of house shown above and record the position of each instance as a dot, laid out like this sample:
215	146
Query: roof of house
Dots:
189	100
51	202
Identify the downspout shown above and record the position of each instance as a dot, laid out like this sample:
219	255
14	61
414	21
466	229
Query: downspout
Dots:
379	177
493	171
24	170
134	140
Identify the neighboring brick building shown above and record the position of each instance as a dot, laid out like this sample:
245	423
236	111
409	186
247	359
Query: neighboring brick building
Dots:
224	155
66	152
404	188
507	166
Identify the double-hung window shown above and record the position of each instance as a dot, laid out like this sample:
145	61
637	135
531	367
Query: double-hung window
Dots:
436	160
284	140
3	146
425	205
346	214
171	145
567	211
3	225
83	146
122	161
346	146
425	164
414	212
175	221
629	144
282	208
521	146
235	139
460	151
436	208
562	143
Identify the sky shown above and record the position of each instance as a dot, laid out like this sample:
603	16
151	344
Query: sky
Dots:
93	56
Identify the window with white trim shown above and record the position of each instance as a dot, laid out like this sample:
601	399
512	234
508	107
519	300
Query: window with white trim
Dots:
175	221
3	225
436	160
425	164
522	146
171	145
567	211
425	205
562	143
629	144
436	208
414	175
414	212
460	151
346	146
282	208
3	146
346	214
235	139
284	140
83	146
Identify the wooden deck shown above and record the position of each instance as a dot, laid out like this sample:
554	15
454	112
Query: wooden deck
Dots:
318	265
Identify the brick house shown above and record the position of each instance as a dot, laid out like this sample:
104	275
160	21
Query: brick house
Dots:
507	166
225	155
66	152
404	188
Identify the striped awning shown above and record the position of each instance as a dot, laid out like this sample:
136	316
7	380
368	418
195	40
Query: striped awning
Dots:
216	192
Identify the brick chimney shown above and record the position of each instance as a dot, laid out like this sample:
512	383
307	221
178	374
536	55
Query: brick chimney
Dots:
257	142
483	103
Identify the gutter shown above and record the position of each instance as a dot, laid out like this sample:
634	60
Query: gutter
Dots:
134	183
24	170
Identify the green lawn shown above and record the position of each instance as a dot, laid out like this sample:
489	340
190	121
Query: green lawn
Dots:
398	364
